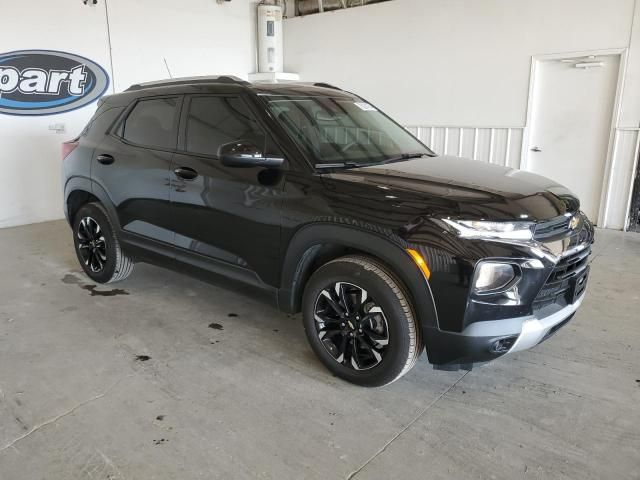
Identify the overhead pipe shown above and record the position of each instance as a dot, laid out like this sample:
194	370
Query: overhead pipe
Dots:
308	7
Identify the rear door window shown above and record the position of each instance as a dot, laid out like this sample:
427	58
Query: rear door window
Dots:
153	123
215	120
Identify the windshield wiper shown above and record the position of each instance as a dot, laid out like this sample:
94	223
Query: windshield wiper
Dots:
322	166
399	158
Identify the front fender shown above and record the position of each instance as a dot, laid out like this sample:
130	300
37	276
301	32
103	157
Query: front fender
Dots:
389	249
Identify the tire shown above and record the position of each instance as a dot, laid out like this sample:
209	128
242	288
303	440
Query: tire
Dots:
97	246
385	326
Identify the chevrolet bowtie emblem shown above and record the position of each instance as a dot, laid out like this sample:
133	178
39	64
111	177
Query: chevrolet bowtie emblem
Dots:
573	224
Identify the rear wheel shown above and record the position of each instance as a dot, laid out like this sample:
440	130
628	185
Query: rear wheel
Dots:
359	321
97	246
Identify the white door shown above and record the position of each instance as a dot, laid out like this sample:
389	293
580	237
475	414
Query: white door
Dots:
570	124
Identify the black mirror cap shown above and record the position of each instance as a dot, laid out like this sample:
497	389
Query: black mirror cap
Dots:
244	154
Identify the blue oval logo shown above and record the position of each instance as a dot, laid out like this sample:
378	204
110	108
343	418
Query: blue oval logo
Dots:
48	82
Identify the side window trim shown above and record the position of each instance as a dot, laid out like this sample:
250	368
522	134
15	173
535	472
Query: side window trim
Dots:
183	129
117	130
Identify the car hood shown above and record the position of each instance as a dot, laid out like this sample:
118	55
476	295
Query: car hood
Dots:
453	187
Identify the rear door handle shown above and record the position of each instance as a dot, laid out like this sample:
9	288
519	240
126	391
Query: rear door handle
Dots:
536	149
105	159
186	173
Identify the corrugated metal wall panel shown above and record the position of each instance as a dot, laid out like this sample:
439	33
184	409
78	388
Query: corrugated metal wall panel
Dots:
499	145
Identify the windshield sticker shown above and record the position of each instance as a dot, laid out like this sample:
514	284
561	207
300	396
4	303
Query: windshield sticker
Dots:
365	106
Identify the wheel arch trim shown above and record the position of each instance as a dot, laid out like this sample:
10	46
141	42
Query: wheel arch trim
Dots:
85	184
306	243
74	184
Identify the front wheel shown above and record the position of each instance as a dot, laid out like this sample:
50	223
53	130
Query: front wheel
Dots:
97	245
359	321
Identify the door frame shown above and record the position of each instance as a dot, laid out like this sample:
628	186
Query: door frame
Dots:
526	136
634	173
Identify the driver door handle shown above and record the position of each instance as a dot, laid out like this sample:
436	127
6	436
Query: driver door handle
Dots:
536	149
186	173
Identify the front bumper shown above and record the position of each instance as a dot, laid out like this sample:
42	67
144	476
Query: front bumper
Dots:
484	341
535	330
477	328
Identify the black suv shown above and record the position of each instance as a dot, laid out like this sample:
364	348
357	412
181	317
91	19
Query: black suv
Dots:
323	201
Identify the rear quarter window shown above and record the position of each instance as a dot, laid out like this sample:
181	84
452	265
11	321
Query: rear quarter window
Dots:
100	123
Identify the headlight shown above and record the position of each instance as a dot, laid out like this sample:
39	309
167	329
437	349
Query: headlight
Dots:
493	276
483	229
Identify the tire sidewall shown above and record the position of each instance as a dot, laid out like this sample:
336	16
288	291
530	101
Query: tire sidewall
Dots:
95	212
398	349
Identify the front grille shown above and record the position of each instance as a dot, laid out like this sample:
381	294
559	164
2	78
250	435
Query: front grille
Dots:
552	228
559	288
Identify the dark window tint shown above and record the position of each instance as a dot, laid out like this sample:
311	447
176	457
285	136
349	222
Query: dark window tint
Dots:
153	123
213	121
99	124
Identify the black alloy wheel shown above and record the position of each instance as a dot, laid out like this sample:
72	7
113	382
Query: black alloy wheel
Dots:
360	322
92	245
351	325
98	246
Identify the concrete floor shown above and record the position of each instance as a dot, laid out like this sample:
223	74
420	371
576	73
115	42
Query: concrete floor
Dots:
248	399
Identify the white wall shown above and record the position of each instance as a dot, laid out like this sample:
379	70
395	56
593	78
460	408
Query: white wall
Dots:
198	38
29	153
464	63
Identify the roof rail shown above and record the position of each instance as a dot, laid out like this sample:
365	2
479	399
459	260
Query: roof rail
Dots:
188	81
318	84
325	85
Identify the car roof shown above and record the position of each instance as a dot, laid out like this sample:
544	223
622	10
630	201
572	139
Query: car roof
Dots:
299	89
224	84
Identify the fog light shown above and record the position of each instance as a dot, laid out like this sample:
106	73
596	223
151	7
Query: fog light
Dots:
503	345
492	276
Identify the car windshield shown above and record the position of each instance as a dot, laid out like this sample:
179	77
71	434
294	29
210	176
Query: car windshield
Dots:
343	131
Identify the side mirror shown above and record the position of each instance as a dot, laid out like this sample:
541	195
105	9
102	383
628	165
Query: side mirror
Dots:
245	154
